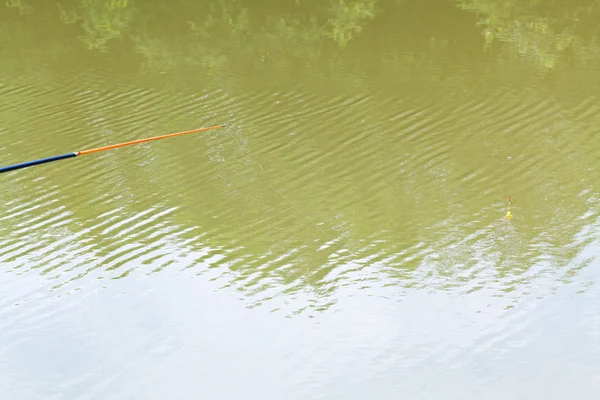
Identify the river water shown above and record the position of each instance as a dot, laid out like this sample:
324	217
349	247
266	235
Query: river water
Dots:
344	237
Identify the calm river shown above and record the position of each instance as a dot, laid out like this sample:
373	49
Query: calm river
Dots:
343	238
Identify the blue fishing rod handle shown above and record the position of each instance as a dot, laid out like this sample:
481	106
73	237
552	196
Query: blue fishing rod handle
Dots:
37	162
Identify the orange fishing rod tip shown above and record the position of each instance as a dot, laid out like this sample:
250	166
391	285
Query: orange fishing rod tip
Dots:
116	146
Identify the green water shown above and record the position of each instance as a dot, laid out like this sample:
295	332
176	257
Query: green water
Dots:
343	238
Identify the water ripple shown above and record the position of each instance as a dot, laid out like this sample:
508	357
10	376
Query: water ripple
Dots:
267	205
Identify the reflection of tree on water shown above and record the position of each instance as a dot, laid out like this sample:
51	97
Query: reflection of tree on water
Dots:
20	5
545	32
541	30
103	20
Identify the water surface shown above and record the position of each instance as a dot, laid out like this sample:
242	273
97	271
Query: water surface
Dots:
343	237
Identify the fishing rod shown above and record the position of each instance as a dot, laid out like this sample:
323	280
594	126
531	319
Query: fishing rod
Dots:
99	149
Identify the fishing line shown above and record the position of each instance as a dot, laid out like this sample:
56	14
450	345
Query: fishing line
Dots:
249	158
